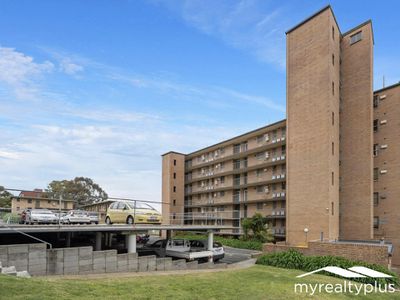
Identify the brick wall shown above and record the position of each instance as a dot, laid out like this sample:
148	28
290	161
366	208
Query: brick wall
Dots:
375	254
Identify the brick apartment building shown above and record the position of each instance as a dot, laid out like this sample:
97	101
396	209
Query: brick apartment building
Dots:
35	199
330	171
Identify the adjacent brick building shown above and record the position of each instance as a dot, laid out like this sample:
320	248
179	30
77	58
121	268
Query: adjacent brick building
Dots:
330	171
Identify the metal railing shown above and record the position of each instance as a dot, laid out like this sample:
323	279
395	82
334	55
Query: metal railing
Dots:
216	217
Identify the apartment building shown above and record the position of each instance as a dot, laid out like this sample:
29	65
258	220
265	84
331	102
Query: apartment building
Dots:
34	199
330	171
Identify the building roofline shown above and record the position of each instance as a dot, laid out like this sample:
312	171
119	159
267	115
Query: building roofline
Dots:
313	16
42	198
241	135
172	152
359	26
388	87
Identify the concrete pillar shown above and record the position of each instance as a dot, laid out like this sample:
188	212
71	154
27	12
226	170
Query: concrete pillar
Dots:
98	241
210	243
169	234
131	239
109	240
68	241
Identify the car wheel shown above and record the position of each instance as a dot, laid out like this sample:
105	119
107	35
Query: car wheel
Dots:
129	220
108	221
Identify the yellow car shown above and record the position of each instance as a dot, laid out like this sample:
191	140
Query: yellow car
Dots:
130	213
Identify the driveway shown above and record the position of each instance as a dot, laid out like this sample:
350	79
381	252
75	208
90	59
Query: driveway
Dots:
235	255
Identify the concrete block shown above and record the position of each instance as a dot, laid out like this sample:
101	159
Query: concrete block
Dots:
207	265
179	264
142	263
85	262
85	253
111	268
168	263
23	274
71	271
38	270
9	271
133	265
99	254
3	250
160	264
38	247
85	268
111	253
18	256
151	263
55	269
192	265
71	252
12	249
132	255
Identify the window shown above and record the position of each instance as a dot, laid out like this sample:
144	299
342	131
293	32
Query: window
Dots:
375	150
333	59
355	37
333	148
333	118
376	222
174	189
332	208
174	202
283	185
333	178
333	88
259	206
376	101
376	199
274	204
376	173
236	148
260	189
376	121
222	179
174	162
174	175
29	200
222	193
333	33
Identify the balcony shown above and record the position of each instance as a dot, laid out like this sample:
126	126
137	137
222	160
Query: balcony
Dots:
277	214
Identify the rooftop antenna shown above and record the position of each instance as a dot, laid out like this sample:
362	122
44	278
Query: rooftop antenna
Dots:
383	81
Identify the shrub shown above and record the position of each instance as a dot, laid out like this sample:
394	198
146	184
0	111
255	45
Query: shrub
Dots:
293	259
12	218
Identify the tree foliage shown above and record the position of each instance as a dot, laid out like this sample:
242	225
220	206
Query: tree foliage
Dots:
5	197
256	228
81	189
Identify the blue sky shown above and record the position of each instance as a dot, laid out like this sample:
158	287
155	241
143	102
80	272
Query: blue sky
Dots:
102	88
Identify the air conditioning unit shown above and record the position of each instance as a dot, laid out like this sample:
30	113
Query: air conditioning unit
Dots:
266	190
203	171
383	122
283	194
273	176
266	137
273	195
382	97
383	171
283	176
273	213
273	141
384	146
266	155
283	157
202	184
278	158
278	140
273	159
278	176
283	138
203	158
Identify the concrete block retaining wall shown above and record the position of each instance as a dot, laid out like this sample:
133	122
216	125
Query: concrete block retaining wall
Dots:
38	260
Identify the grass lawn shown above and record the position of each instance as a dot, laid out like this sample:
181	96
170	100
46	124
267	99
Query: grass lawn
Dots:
258	282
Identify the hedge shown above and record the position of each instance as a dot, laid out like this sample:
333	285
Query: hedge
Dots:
293	259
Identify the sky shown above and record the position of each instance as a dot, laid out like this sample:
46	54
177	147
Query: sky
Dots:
101	89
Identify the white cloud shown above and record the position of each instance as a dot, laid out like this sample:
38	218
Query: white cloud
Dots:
254	26
20	72
70	68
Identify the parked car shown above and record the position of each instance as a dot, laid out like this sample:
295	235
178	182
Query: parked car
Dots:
201	245
94	217
76	217
130	212
40	216
59	215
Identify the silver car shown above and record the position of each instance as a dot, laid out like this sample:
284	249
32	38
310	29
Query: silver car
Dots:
40	216
76	217
94	217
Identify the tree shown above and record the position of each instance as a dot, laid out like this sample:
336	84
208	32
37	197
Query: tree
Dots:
257	224
81	189
5	197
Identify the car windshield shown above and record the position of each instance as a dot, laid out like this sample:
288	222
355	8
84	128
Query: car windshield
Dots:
42	212
140	205
93	214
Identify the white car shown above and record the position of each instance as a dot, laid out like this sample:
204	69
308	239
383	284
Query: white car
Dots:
40	216
76	217
201	245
